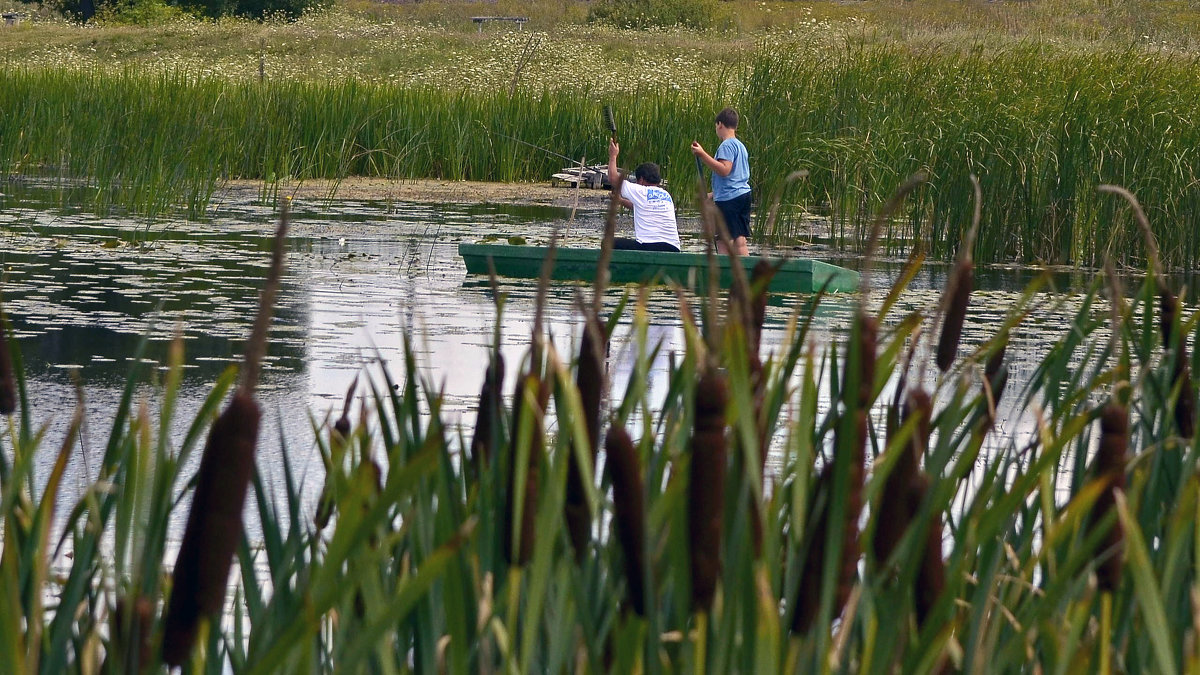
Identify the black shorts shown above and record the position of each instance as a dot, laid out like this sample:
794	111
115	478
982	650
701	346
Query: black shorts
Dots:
736	213
623	244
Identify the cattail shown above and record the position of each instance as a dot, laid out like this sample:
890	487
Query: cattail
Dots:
756	314
590	380
808	598
760	278
8	386
523	551
706	487
1169	310
857	402
895	515
132	631
1109	466
337	441
486	421
1185	407
994	363
958	294
630	512
609	121
214	526
342	426
995	375
867	336
931	575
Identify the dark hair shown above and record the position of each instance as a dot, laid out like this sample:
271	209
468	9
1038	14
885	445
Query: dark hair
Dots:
648	172
728	117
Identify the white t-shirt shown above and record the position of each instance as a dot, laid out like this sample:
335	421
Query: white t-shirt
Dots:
653	213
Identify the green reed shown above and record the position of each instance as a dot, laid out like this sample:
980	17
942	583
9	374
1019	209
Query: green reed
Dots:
1041	127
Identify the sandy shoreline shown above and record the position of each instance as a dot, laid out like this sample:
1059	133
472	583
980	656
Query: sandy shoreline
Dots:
431	191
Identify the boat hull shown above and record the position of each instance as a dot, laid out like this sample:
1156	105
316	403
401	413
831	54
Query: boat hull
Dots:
633	267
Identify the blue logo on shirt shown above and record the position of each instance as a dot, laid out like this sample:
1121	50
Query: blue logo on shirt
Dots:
656	194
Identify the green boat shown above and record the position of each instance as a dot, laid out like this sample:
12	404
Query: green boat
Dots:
631	267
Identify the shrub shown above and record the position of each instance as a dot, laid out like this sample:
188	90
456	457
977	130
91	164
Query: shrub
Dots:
139	12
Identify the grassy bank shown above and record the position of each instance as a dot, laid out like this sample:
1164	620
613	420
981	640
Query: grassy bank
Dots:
1042	127
517	547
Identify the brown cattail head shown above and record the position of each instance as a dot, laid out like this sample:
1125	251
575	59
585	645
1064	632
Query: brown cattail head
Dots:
894	513
214	526
756	314
342	426
958	295
1168	313
995	375
808	599
521	553
1109	466
487	420
995	361
132	632
590	379
1185	407
760	278
857	403
706	487
867	336
8	384
931	575
630	512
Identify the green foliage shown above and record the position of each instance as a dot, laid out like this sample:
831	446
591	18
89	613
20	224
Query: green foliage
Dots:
643	14
139	12
256	9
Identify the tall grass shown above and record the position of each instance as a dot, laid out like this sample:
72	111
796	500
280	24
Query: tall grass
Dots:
414	569
1041	127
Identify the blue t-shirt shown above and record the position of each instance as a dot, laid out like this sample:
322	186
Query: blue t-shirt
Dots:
737	183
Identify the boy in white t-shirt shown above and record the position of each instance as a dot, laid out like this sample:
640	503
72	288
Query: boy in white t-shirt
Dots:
653	209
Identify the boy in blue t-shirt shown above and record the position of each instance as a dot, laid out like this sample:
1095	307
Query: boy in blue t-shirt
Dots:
730	180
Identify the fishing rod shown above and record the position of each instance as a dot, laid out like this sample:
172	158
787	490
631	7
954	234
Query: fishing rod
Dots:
535	147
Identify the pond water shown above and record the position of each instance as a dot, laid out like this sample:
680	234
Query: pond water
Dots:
82	291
